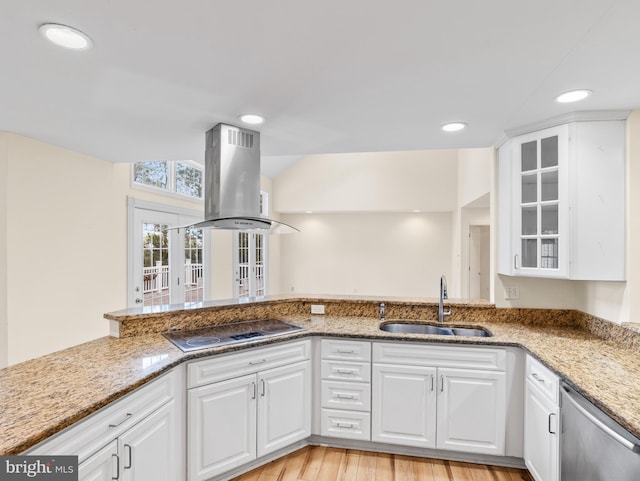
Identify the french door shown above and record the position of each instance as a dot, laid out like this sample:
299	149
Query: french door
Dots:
167	265
250	263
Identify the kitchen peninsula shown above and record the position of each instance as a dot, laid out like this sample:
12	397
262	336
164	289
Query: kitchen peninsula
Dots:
42	397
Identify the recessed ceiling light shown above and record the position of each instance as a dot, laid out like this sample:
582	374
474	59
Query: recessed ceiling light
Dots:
573	96
253	119
65	36
454	126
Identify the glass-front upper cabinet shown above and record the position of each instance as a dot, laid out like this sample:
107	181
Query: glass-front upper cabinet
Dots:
541	163
561	201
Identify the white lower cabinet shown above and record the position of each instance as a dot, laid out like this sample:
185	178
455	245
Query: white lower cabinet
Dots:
136	439
471	411
541	438
345	389
404	405
101	466
237	420
418	401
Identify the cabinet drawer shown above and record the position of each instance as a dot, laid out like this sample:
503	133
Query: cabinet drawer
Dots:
228	366
345	424
440	356
346	371
354	396
88	436
543	379
344	349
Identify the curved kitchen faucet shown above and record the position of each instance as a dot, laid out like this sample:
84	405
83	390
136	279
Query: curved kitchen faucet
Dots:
443	295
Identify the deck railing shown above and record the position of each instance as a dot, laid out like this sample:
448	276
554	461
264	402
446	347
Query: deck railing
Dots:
156	278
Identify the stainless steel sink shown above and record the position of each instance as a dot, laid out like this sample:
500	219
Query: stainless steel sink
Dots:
407	328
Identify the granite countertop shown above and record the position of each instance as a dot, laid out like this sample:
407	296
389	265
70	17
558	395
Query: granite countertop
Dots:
39	398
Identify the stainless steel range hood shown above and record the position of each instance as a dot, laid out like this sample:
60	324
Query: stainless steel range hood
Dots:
232	182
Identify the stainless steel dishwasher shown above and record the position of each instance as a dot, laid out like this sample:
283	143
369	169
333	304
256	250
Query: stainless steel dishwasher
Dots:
593	447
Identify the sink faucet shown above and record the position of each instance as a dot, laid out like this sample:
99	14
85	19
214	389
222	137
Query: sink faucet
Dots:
443	295
382	311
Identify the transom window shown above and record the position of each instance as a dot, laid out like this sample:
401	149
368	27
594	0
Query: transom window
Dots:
182	177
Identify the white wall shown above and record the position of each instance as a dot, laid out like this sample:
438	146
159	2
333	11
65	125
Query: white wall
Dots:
386	254
370	182
66	248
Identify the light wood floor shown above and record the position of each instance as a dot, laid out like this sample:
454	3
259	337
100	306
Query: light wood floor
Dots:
317	463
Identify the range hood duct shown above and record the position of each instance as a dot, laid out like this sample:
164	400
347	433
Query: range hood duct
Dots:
232	182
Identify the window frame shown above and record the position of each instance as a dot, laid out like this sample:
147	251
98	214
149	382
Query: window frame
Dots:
171	181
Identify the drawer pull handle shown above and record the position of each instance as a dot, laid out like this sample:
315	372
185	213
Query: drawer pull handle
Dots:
254	363
345	371
345	396
536	377
346	351
126	417
345	425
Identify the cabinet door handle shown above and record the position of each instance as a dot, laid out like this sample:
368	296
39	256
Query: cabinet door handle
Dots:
254	363
253	386
515	261
114	457
264	387
129	455
126	417
549	425
441	383
432	387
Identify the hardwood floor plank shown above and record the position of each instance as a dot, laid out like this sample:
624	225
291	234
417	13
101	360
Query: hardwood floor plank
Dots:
441	470
460	471
331	464
499	473
479	472
294	464
423	469
348	470
366	467
314	462
385	468
404	468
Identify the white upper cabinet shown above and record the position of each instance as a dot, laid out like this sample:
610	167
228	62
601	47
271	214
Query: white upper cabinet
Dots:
562	202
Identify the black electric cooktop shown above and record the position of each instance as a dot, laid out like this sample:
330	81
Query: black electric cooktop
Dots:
229	333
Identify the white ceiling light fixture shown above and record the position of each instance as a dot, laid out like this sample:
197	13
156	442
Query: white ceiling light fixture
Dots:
573	96
65	36
252	119
454	126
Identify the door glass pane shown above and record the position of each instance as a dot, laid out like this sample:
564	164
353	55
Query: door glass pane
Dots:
243	264
529	252
529	188
193	265
549	219
529	220
549	254
155	271
260	287
549	185
549	152
529	153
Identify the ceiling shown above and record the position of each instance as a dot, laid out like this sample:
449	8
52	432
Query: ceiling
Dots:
330	76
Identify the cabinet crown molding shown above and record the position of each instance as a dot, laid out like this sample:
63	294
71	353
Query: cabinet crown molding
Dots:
581	116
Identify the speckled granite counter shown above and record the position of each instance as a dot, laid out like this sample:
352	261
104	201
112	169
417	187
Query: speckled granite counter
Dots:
41	397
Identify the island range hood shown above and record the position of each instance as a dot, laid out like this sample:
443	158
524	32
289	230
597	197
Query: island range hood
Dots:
232	182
